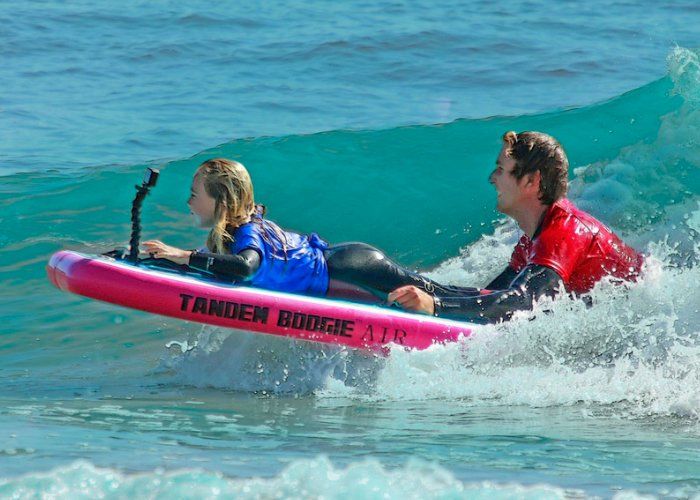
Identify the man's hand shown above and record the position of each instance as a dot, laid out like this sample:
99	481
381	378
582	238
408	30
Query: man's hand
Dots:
414	299
159	250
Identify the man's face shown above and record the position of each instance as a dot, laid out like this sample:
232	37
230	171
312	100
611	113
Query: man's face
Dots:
509	190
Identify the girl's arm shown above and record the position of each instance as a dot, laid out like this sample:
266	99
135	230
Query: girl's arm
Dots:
236	267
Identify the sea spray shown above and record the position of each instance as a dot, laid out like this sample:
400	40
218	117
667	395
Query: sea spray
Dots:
317	478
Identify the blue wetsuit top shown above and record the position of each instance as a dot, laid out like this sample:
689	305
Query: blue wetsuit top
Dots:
289	262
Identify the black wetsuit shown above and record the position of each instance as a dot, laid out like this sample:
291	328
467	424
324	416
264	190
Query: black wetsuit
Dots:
509	292
358	264
366	267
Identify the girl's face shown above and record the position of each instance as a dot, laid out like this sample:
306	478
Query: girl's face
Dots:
201	204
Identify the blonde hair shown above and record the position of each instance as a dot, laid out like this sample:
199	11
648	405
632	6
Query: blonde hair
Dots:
228	182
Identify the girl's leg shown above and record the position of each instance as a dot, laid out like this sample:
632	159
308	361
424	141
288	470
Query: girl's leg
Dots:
367	267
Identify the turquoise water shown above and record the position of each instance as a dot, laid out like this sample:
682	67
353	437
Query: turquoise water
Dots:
363	122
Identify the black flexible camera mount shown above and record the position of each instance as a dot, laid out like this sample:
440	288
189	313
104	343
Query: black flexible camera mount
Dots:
149	181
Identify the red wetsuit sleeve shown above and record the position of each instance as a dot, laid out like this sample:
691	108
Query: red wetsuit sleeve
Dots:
561	245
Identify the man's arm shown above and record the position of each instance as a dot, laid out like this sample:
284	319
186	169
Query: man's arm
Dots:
503	280
529	285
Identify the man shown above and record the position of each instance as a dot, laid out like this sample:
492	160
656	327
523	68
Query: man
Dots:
563	248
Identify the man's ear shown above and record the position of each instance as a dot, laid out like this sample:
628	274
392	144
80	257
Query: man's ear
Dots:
533	180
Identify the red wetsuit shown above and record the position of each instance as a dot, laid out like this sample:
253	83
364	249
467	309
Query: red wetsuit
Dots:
578	247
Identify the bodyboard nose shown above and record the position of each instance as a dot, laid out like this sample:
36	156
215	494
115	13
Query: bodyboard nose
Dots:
57	275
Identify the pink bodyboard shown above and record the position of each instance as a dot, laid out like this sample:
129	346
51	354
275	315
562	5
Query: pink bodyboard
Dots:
245	308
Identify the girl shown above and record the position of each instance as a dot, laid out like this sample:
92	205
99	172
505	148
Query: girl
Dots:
244	246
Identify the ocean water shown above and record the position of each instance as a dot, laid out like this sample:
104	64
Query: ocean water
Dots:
363	121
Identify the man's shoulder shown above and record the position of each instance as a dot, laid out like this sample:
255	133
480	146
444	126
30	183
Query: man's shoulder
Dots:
565	214
565	207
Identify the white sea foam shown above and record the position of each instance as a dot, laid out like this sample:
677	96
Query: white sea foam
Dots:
316	478
637	348
250	362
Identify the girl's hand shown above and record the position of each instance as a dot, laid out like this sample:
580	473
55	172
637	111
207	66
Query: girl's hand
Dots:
159	250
